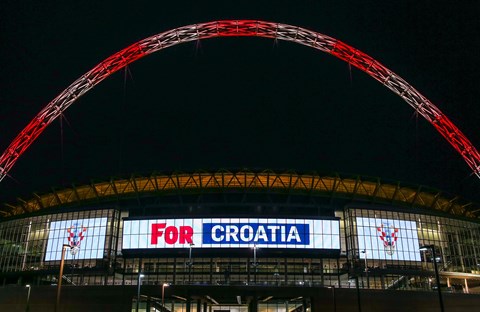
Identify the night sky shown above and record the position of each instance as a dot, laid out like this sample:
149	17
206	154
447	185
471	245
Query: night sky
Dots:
235	103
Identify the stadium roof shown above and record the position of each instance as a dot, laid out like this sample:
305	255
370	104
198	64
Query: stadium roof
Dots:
334	186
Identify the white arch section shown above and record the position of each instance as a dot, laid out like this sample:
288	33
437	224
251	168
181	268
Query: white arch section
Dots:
237	28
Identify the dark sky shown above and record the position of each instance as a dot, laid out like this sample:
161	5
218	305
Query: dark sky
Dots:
235	103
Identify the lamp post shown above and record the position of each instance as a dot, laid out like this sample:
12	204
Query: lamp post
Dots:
364	251
333	298
190	253
190	263
28	298
255	264
163	293
437	276
140	276
60	276
359	304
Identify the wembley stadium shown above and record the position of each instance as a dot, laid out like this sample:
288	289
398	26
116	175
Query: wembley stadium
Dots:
244	240
239	241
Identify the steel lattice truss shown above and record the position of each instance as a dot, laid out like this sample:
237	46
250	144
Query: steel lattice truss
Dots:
335	187
232	28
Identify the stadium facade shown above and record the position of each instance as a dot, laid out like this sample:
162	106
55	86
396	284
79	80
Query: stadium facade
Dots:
240	241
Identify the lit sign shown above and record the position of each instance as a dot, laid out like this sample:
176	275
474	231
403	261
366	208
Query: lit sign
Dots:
388	239
86	238
246	233
231	233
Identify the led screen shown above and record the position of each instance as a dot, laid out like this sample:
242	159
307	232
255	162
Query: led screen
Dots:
231	233
388	239
85	236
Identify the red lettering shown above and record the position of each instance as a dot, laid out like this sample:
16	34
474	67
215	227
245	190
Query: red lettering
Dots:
171	235
157	231
186	233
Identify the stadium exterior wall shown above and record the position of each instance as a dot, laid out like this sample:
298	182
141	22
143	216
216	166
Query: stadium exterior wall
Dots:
242	247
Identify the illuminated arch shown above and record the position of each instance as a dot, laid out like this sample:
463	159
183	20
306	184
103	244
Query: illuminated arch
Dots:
236	28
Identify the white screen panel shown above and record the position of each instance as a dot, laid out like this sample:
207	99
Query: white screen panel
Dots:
87	236
231	233
388	239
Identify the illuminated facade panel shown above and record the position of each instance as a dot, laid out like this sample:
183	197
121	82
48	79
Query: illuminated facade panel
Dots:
231	233
86	238
387	239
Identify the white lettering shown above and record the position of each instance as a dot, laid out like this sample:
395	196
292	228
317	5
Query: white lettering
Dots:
261	234
244	231
214	233
293	234
274	229
282	232
231	232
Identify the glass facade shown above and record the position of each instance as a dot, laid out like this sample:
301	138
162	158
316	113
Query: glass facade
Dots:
233	271
379	248
35	243
456	243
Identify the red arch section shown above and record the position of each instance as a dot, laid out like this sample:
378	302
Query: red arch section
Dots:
235	28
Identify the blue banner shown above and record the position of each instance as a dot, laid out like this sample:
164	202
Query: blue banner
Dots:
253	233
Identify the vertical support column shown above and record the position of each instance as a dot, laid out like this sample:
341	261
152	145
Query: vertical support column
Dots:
474	239
437	278
359	304
314	302
204	307
16	235
116	215
27	240
253	305
124	271
44	248
276	274
60	278
460	251
199	305
211	271
110	252
322	277
448	282
255	264
334	299
338	273
174	278
424	255
188	304
466	286
441	243
148	304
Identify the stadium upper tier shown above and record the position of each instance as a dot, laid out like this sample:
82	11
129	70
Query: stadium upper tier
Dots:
369	190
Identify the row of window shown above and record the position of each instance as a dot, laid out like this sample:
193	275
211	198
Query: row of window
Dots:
32	243
387	237
371	238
